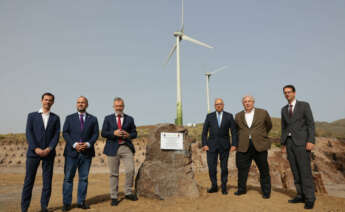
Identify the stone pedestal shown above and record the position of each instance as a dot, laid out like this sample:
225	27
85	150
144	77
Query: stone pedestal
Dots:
166	173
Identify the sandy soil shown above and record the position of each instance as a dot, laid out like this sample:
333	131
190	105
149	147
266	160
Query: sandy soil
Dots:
99	200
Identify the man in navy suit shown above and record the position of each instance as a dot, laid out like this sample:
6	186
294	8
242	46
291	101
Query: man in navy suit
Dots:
119	129
42	134
80	132
217	143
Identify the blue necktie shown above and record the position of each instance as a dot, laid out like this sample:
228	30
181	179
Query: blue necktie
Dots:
218	118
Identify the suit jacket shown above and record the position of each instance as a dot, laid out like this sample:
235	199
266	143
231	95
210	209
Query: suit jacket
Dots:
72	133
219	138
259	130
300	125
38	137
110	125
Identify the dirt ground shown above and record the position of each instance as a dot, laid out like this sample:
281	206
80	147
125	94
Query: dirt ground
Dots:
99	200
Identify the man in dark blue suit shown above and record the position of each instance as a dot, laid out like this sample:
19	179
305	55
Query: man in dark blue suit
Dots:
80	132
119	130
42	134
216	141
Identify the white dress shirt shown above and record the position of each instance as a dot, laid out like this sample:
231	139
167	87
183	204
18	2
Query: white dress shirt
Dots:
84	118
45	117
249	116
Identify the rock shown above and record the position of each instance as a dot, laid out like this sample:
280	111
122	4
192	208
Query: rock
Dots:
166	173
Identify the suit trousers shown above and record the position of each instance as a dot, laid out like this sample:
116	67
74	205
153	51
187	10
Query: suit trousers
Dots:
30	174
82	163
212	159
243	163
125	155
299	159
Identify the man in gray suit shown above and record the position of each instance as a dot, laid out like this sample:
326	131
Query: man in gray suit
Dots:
298	139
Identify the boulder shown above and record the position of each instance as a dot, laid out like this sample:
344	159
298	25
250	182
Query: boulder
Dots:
166	173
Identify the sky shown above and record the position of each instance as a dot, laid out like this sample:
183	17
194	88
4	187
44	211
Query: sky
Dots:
106	48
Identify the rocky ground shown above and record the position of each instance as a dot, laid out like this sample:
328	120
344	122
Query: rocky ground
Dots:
328	162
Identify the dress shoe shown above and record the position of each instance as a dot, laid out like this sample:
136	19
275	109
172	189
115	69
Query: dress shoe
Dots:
83	205
296	200
212	190
239	193
224	191
309	205
66	207
266	196
132	197
114	202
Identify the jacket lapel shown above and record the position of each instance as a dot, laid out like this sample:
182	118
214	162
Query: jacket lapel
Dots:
40	120
243	119
255	118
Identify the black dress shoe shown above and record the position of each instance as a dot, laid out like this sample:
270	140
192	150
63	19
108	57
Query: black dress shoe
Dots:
114	202
296	200
266	196
238	193
212	190
83	206
224	191
309	205
132	197
66	207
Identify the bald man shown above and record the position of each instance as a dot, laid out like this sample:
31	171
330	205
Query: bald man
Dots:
80	132
216	142
253	125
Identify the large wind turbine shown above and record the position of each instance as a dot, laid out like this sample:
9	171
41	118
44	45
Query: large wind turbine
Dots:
179	37
208	75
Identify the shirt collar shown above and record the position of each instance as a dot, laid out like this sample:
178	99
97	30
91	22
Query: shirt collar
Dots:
84	114
117	115
41	111
253	110
293	103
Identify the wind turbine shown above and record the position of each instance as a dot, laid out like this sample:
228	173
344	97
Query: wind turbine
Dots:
208	75
179	37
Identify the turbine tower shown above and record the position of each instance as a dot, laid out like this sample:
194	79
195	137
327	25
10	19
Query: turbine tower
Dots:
208	75
179	37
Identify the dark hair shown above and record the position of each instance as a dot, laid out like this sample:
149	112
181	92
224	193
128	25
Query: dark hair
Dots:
290	86
47	94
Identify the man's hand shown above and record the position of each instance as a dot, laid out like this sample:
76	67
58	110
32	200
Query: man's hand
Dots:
46	152
283	149
39	151
118	133
233	148
125	134
205	148
309	146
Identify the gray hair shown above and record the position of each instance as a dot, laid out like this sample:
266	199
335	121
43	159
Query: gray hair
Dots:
87	101
248	96
117	99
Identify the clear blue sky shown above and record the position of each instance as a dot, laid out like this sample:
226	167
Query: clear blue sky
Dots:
103	49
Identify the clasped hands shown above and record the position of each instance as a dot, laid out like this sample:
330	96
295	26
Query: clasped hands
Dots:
121	133
42	152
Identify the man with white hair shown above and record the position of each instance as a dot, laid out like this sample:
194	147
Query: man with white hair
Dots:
253	126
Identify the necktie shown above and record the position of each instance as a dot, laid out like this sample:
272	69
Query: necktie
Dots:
290	110
119	126
81	121
218	118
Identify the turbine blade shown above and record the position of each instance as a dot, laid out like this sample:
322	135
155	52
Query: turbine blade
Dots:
185	37
182	16
219	69
170	54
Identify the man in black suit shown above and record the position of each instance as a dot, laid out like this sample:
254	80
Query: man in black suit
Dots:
217	143
80	132
298	139
42	134
119	130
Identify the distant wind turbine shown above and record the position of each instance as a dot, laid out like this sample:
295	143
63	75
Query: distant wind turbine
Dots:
208	75
179	37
